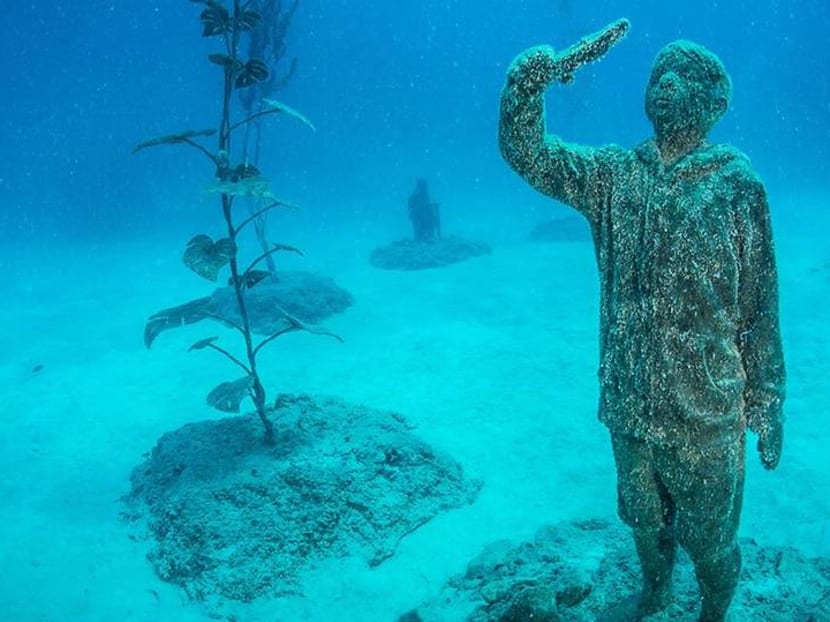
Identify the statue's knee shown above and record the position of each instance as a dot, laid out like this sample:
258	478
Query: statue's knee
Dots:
715	556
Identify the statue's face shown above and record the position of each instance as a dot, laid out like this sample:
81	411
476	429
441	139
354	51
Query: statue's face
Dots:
675	101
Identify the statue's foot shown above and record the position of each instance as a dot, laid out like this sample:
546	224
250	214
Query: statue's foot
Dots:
635	608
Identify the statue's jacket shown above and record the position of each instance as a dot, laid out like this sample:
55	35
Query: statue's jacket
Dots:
690	347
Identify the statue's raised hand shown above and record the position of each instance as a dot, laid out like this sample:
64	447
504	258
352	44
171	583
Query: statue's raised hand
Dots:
537	68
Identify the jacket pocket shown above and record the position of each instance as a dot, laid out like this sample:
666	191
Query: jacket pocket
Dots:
718	378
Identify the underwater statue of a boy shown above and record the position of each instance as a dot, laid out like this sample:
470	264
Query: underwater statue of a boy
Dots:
690	349
424	213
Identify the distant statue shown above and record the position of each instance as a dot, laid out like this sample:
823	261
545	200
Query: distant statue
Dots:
428	248
424	214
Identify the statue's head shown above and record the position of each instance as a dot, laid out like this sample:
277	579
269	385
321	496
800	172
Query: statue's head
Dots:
688	91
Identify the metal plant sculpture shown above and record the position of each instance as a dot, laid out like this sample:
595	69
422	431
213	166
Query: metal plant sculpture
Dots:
208	257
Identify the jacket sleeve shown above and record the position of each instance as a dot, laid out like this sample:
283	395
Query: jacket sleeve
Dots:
760	336
576	175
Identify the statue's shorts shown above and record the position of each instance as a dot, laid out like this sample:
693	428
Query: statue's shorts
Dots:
695	490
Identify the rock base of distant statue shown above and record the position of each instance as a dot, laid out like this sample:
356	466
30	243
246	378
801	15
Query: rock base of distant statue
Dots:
564	229
574	571
230	518
437	253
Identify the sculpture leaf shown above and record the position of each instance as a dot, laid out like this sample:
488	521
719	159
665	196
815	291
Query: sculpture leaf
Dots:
172	139
291	112
206	257
229	395
188	313
249	187
276	246
215	20
248	20
254	71
225	61
202	343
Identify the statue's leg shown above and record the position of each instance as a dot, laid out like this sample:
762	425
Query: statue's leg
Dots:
656	551
644	504
708	491
718	579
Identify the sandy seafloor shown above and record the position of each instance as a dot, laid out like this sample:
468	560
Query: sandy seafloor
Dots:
493	359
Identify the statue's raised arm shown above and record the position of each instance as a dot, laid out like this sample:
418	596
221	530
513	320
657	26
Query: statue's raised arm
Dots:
553	167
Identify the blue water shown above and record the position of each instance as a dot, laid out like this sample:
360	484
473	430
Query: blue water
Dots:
406	88
92	236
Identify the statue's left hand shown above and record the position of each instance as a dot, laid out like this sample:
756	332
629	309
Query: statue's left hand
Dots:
770	443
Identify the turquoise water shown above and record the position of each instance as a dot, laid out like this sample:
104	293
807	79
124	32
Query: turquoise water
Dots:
494	360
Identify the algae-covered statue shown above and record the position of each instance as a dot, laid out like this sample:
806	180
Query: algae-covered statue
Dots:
690	348
429	248
423	213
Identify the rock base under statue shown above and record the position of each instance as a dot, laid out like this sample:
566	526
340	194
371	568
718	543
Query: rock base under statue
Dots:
572	572
438	253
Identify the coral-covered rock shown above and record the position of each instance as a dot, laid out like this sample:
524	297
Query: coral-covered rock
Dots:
307	296
434	253
232	518
572	571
